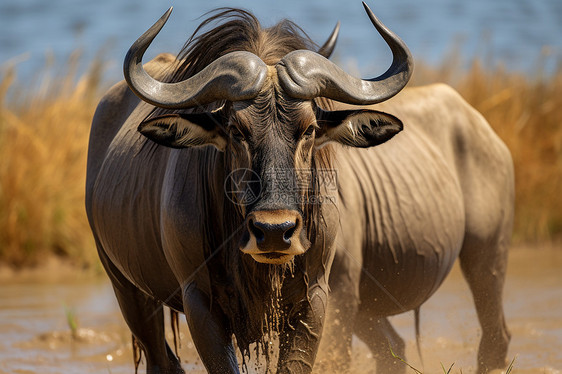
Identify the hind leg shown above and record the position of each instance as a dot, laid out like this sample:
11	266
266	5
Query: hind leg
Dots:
381	337
145	319
484	268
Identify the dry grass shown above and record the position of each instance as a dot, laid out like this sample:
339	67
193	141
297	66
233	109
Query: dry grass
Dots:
43	143
526	112
44	136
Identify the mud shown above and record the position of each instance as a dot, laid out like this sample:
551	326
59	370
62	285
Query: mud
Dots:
36	319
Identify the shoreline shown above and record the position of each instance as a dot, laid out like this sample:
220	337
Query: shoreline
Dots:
55	269
52	269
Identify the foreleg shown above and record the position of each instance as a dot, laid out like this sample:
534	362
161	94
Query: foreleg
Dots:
210	333
298	343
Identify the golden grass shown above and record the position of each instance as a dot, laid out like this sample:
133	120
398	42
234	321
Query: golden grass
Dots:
527	114
44	137
43	143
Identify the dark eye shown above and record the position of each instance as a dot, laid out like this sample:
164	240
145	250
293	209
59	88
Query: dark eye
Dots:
236	134
309	131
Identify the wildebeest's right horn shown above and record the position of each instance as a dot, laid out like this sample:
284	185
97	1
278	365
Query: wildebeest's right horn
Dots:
235	76
328	47
307	75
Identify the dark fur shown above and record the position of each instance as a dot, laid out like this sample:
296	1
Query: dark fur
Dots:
248	292
404	214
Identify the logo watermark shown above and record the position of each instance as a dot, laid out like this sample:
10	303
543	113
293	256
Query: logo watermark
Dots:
291	186
242	186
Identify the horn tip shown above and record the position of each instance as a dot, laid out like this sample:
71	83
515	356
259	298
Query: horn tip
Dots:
336	30
167	13
367	8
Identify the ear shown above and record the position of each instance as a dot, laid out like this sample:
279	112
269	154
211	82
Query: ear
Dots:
357	128
185	130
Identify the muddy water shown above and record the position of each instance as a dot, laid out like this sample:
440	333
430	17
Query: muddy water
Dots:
35	335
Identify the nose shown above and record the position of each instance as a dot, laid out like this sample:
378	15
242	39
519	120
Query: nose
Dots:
274	230
277	235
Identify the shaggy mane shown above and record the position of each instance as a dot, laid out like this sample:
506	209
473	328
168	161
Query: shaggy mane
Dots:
238	30
248	292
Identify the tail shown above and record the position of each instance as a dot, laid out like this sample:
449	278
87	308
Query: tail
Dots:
137	354
418	336
137	349
174	321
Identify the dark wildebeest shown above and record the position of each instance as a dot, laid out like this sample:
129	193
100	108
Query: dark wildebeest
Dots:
258	260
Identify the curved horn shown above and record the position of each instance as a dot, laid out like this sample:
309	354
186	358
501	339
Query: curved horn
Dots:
235	76
328	47
306	74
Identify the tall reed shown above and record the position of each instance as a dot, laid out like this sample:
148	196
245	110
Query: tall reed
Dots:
43	143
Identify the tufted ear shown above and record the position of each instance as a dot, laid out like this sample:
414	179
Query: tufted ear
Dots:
356	128
185	130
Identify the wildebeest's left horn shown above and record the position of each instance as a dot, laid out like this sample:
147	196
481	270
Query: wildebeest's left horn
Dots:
235	76
328	47
306	74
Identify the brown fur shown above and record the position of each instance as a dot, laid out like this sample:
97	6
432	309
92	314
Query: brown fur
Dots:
259	285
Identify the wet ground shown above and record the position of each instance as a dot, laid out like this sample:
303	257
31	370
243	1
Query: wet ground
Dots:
76	327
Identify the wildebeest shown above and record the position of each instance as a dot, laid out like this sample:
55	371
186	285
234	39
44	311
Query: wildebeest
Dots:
256	262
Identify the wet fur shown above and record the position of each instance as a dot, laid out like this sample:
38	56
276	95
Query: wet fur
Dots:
252	295
447	145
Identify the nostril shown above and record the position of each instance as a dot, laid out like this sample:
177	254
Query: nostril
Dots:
289	233
258	233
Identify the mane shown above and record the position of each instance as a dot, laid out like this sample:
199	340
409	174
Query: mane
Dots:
238	30
254	308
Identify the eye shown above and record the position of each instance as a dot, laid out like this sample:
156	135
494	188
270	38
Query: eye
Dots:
236	134
309	131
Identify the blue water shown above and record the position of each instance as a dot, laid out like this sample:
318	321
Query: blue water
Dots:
512	32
